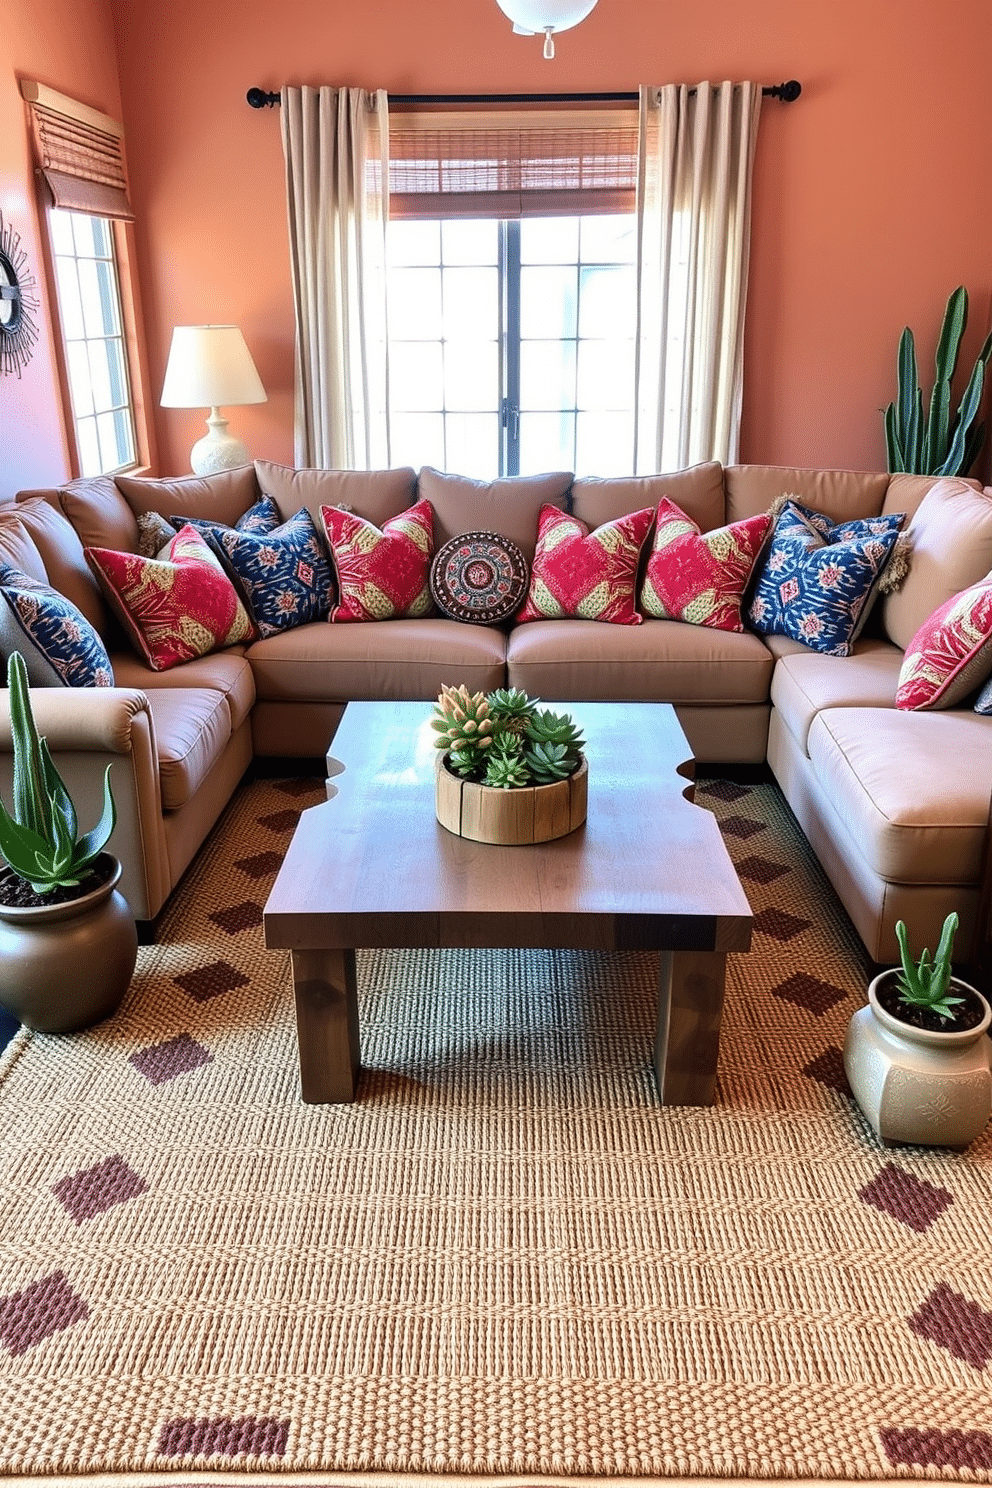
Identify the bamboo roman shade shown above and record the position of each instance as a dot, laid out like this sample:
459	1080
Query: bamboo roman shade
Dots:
80	154
512	164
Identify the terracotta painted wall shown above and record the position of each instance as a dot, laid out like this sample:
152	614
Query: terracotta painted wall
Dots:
872	193
68	44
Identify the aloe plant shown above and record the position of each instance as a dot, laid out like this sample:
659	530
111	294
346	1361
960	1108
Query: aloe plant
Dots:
925	983
40	840
935	444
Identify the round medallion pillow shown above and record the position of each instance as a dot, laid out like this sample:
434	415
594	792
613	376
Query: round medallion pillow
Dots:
480	577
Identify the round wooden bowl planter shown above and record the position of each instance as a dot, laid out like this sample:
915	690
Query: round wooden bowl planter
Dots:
510	818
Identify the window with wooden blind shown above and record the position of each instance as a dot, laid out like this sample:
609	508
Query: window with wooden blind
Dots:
512	290
81	166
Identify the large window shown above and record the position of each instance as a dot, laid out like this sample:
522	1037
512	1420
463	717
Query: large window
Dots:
90	312
512	344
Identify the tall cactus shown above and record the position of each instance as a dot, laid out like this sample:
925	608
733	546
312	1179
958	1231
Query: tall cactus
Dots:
39	841
937	445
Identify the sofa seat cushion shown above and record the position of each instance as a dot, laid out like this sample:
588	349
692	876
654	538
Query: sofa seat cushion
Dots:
226	672
192	729
668	659
912	788
399	660
805	682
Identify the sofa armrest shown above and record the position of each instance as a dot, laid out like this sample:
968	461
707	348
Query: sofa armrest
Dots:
89	728
81	718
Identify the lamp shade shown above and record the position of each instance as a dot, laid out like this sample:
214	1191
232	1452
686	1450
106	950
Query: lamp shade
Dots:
210	367
534	16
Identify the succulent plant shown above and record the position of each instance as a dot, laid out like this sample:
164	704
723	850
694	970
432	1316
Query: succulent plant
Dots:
40	840
549	762
506	767
503	739
934	443
511	709
925	983
462	721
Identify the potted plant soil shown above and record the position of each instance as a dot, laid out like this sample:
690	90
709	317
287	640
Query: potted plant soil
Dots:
918	1058
68	943
509	772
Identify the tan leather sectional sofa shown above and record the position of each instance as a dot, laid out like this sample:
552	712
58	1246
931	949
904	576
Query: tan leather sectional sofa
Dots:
895	804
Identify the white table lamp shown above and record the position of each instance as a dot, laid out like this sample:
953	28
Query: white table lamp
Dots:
211	367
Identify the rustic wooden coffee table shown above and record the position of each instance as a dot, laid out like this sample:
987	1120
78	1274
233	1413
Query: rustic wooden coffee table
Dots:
648	871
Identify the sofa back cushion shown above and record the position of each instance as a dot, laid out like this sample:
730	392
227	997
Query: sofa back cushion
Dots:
376	495
18	548
63	561
697	491
907	491
950	548
221	498
839	494
509	506
99	513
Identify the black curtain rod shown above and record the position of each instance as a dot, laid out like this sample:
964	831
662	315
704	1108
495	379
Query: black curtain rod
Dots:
259	98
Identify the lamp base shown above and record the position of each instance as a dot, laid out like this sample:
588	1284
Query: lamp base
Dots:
217	450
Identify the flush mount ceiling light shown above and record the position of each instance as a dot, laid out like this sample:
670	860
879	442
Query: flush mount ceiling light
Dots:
532	17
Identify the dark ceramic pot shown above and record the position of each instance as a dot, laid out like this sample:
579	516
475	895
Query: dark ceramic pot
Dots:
66	966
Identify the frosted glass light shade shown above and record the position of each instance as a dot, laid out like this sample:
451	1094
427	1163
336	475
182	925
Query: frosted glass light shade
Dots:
531	17
211	367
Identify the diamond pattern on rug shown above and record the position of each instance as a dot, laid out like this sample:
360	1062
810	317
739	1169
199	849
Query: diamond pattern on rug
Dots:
962	1327
828	1069
93	1190
931	1447
780	925
175	1056
907	1198
260	865
212	980
247	1436
742	827
300	785
41	1309
761	870
809	992
244	916
280	821
723	790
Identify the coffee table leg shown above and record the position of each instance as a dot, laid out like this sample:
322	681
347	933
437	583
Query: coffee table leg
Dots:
687	1043
326	1024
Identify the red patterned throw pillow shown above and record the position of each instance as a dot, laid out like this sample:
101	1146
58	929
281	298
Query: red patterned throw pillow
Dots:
382	573
175	606
700	577
586	575
951	653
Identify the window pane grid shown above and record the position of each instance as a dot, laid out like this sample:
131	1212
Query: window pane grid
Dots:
555	389
92	330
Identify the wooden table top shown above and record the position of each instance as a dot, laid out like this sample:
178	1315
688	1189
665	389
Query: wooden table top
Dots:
373	866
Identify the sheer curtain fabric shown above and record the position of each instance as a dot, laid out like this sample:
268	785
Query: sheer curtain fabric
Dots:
336	147
696	153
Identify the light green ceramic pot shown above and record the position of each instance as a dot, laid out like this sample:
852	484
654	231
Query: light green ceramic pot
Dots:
930	1089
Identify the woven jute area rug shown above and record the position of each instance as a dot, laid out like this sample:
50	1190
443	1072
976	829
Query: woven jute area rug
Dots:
505	1259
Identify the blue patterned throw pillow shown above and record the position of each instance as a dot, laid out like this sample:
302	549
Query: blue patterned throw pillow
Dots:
983	702
59	645
284	574
264	516
819	578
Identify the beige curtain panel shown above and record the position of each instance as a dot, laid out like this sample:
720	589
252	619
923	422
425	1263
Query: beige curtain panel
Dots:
336	148
696	153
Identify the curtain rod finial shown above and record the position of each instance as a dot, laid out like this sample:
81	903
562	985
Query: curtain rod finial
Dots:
259	98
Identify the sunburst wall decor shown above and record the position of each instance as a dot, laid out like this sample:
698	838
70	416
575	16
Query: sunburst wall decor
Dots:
18	302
